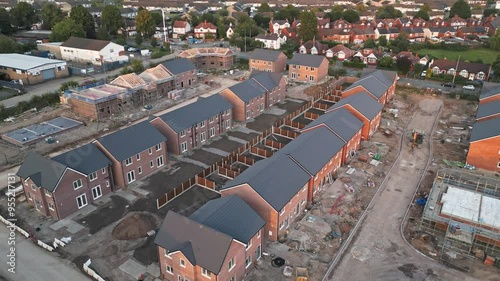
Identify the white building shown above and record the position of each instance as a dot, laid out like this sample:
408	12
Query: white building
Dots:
230	31
85	50
181	28
271	41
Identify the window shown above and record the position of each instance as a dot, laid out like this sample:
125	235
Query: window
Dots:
150	151
93	176
182	133
258	234
158	147
81	201
159	161
203	137
293	75
228	124
29	196
202	124
151	164
211	120
282	211
312	68
48	193
107	183
34	188
205	272
248	261
231	264
131	176
303	202
128	161
138	156
76	184
183	263
51	206
249	244
498	165
233	278
139	169
96	192
228	111
311	78
212	132
293	66
184	147
170	269
103	171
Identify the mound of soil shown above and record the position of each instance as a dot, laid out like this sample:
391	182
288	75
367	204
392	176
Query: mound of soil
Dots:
134	226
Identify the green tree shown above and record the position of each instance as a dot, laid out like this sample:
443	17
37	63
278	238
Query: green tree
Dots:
350	16
400	43
65	29
138	39
495	66
422	14
102	34
82	17
388	12
426	8
137	66
194	20
261	21
360	7
246	27
223	12
157	17
208	18
495	41
460	8
382	41
403	64
144	23
153	42
369	43
112	19
335	13
490	11
290	13
385	62
5	22
50	15
308	28
23	15
264	7
8	45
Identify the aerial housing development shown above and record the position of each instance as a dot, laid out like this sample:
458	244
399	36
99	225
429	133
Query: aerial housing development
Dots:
201	140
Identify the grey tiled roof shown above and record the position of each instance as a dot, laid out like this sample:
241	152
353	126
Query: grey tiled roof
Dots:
489	89
265	55
132	140
488	109
268	80
178	66
189	115
247	90
363	103
385	76
226	215
43	171
85	159
314	149
341	121
372	85
485	129
277	180
202	245
307	60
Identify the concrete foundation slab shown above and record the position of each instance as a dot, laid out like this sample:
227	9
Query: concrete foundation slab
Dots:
133	268
153	269
216	151
128	196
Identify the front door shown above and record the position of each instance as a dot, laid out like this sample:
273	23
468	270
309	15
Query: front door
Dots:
257	253
37	205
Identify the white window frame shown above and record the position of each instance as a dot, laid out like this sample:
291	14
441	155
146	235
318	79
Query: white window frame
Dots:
182	133
158	160
128	161
103	171
211	132
231	264
86	201
129	180
182	263
249	244
202	124
185	148
107	183
150	151
248	261
93	176
97	187
282	211
151	164
228	124
258	234
169	269
51	206
211	120
158	147
205	272
203	137
33	187
138	156
48	193
77	184
139	170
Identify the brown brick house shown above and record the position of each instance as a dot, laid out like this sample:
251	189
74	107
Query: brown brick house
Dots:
192	125
484	145
490	92
161	77
342	36
276	188
183	70
135	152
307	68
468	70
360	35
251	97
62	185
313	47
212	244
369	84
345	125
365	108
267	60
210	58
388	78
341	52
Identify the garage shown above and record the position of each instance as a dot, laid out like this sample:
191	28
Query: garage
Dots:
48	74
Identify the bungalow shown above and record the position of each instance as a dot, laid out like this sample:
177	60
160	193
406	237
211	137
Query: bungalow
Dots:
191	125
389	33
345	125
251	97
267	60
135	152
490	92
487	111
271	41
341	52
313	47
181	28
468	70
276	188
307	68
205	30
484	145
60	186
366	56
92	51
211	243
365	108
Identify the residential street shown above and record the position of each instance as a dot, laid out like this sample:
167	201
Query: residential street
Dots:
33	263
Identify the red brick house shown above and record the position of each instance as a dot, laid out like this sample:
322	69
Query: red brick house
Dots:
163	79
491	24
135	152
341	24
66	183
342	36
359	36
371	85
415	34
419	22
205	30
438	22
183	70
365	108
313	47
471	32
490	92
484	145
388	78
307	68
345	125
251	97
341	52
267	60
468	70
192	125
276	188
487	111
180	28
212	244
457	22
389	33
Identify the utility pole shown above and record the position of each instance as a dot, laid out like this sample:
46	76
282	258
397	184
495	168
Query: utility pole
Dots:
456	69
245	41
164	30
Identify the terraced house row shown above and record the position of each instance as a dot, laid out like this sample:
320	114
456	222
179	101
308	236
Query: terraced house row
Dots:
265	199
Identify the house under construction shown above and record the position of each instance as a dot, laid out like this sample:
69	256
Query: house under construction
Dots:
210	58
463	211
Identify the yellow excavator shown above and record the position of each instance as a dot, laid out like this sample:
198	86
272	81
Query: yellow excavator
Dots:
416	139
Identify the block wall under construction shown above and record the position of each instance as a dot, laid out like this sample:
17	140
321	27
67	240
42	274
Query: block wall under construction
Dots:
213	62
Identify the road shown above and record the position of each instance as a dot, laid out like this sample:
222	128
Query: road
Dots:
33	263
378	251
424	84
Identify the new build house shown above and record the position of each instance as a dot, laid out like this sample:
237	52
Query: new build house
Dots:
345	125
307	68
212	244
484	145
183	70
135	152
62	185
276	188
267	60
192	125
490	92
251	97
388	78
370	85
365	108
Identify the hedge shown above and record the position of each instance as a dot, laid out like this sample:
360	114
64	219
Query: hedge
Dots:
37	102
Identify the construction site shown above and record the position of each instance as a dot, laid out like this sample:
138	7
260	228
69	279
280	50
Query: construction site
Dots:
210	58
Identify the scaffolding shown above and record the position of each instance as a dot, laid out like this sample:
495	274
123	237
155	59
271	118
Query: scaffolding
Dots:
467	228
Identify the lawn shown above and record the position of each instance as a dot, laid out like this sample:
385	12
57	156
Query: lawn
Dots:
486	55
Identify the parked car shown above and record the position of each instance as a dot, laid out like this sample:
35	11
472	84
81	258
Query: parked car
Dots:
469	87
448	85
132	49
424	73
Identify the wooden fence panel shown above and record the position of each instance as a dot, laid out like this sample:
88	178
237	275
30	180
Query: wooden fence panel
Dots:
227	173
294	124
245	160
285	133
310	115
274	144
320	106
261	152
